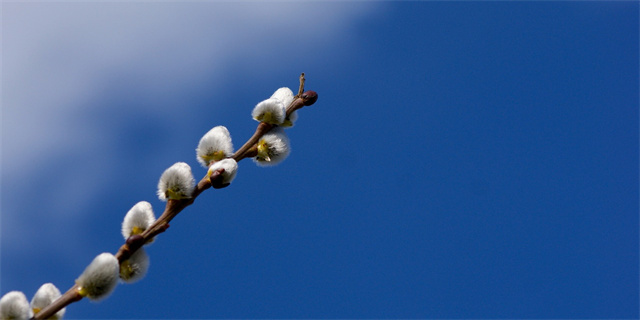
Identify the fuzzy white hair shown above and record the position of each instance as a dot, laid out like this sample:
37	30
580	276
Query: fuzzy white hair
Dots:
14	305
100	277
140	216
176	182
135	268
214	145
273	148
230	167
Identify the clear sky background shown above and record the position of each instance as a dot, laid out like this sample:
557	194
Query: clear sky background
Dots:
464	159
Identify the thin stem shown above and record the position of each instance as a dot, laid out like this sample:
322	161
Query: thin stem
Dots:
301	88
171	210
262	128
66	299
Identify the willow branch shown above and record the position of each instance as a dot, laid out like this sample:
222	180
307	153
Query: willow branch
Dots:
66	299
174	207
262	128
171	210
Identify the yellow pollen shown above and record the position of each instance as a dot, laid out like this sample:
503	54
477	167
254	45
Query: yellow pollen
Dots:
263	151
82	291
214	156
170	194
136	230
218	155
126	270
268	117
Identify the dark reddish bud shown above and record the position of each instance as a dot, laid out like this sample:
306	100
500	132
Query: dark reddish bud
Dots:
216	179
310	97
135	241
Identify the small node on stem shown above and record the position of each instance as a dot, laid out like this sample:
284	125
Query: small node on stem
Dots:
135	241
251	152
217	179
230	167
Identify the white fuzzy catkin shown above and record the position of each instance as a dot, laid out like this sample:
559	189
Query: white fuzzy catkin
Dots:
273	148
44	297
176	182
134	268
230	167
14	305
290	120
138	219
285	95
100	277
215	145
271	111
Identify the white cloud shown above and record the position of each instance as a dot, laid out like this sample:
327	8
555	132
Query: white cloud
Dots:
60	59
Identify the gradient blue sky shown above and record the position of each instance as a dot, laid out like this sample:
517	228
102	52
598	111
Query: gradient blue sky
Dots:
464	159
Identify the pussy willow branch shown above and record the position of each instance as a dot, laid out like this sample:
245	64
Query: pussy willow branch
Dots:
174	207
297	103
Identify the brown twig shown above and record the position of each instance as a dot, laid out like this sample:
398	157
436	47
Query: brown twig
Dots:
72	295
303	99
174	207
262	128
301	88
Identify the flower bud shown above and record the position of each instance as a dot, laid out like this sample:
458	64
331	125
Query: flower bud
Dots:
273	147
271	111
284	95
14	305
309	97
134	268
44	297
215	145
138	219
176	182
100	278
230	167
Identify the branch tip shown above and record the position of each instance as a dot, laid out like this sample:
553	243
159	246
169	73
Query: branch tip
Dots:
310	97
301	88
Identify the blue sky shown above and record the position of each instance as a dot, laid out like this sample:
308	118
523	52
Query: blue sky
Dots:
464	159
